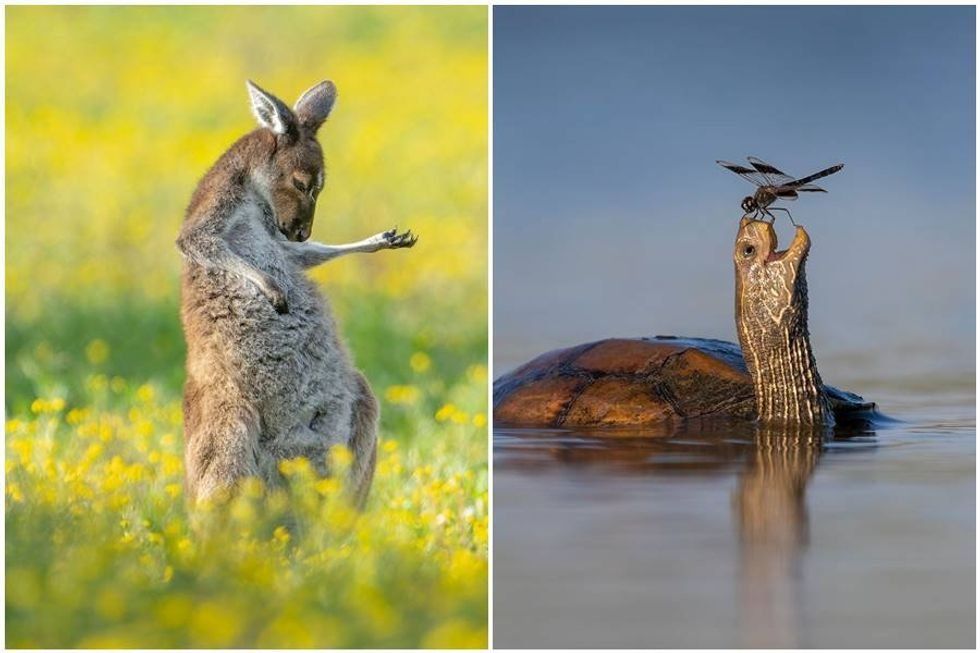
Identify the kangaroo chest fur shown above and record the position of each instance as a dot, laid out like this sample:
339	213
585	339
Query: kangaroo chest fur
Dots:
292	367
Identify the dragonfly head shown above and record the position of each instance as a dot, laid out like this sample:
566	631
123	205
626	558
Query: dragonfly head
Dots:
749	205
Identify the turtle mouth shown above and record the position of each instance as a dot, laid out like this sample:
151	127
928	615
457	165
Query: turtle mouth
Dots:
797	248
775	256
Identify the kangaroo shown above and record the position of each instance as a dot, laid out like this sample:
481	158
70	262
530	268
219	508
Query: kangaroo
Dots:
268	377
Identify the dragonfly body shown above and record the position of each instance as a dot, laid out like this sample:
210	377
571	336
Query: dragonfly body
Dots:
774	184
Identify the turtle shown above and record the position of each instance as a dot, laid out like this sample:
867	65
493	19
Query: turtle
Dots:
624	382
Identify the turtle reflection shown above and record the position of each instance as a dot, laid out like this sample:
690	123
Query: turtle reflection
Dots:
771	517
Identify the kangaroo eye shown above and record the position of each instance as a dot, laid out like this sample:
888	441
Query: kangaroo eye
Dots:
300	186
748	250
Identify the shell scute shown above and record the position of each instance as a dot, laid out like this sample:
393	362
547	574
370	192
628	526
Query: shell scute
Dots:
700	383
542	401
625	356
614	401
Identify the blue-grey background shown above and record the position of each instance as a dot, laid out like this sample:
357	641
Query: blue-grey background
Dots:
611	217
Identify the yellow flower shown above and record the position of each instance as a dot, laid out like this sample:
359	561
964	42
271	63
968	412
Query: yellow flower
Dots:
252	488
14	492
97	351
299	467
450	412
145	393
341	456
171	465
173	610
420	362
281	535
76	416
214	625
457	635
477	373
41	406
445	413
96	383
402	394
326	486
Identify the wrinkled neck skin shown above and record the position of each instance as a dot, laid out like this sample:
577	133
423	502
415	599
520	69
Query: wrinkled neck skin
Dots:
771	316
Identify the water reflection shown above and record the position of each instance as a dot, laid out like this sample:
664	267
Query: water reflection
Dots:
771	517
769	509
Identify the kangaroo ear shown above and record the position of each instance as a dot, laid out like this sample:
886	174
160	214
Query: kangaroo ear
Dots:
313	106
270	111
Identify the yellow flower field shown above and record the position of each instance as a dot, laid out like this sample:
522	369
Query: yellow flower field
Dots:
112	116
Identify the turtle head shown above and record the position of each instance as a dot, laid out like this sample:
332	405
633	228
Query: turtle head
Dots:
771	316
769	276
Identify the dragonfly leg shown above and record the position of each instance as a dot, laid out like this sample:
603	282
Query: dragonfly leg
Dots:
788	214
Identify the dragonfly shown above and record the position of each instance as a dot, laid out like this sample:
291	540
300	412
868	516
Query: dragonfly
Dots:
774	184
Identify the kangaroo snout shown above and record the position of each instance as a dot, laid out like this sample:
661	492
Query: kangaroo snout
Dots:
294	215
296	230
298	235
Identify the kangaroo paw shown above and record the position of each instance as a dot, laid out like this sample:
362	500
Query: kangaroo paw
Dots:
395	240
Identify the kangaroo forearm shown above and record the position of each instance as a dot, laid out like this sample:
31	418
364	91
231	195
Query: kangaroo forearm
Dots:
310	254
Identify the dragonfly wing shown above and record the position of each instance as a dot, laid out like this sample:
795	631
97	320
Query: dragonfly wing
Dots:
775	176
748	174
788	194
809	188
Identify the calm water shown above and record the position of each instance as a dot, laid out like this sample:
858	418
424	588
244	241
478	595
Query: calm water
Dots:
718	536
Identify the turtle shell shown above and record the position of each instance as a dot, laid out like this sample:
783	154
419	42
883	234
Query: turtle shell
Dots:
634	382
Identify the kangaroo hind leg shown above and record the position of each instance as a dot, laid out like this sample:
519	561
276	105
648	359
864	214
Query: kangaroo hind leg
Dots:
363	441
221	446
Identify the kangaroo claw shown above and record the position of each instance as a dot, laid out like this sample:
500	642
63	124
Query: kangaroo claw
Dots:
399	240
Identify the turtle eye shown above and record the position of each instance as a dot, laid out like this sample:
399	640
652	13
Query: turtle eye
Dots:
748	250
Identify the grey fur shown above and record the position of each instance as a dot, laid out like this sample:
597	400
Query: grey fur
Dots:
268	377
